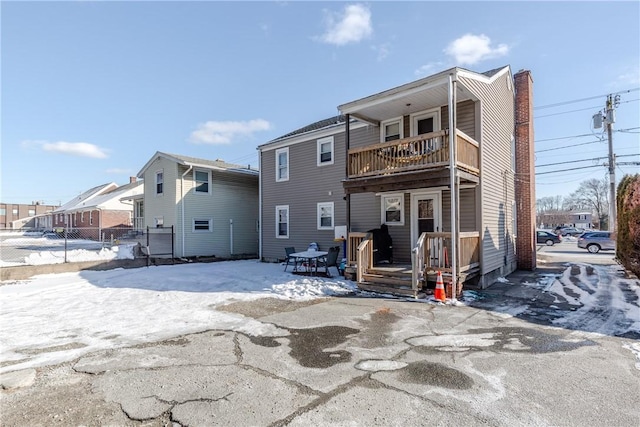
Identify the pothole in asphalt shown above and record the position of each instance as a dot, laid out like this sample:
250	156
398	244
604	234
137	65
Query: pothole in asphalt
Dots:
309	346
435	374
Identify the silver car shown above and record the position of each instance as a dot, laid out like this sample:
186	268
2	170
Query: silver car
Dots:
596	241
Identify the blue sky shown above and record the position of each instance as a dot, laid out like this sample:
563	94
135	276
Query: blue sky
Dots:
90	90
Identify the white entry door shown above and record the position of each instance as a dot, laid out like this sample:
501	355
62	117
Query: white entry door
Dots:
425	214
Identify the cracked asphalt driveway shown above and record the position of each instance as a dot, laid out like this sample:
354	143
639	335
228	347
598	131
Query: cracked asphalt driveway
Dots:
346	361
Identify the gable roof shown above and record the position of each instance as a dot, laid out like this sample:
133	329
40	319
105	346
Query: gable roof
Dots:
320	124
111	200
217	164
87	195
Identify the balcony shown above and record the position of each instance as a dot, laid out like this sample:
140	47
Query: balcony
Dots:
420	158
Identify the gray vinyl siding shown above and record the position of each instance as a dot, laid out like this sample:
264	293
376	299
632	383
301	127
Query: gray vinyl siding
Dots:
164	205
466	118
308	185
232	196
496	178
467	210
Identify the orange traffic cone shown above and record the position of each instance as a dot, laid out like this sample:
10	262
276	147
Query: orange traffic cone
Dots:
440	294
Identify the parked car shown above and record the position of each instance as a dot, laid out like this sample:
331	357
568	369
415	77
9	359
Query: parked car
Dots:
596	241
570	231
547	238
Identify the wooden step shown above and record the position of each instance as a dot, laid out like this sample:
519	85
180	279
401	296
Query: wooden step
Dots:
387	280
393	290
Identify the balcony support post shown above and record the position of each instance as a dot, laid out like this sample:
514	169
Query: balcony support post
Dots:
453	186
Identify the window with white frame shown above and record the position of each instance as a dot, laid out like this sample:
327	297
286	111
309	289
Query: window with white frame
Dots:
32	212
159	221
159	182
82	217
3	211
392	209
90	218
282	164
325	216
391	130
325	151
14	211
202	225
282	222
201	181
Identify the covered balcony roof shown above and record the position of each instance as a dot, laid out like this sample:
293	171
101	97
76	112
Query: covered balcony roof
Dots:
424	94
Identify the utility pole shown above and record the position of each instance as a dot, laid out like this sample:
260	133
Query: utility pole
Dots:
608	120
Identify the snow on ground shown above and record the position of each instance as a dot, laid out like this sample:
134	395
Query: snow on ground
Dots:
54	318
40	250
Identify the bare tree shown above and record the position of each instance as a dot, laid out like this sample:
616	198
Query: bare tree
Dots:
592	194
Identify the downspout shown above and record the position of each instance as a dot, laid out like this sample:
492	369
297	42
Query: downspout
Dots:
182	206
453	186
259	204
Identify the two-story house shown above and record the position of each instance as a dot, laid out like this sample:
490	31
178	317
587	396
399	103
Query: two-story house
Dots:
449	207
211	205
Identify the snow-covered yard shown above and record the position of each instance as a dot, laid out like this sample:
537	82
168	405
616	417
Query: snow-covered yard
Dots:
54	318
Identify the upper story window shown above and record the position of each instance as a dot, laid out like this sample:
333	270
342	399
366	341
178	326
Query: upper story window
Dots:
14	211
3	211
282	222
391	130
325	151
393	209
159	182
325	216
32	212
202	181
282	164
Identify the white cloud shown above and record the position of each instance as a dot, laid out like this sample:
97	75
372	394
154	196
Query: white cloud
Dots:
429	68
352	26
382	50
213	132
79	149
471	49
116	171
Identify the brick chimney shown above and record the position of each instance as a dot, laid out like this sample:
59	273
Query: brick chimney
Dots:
525	185
132	179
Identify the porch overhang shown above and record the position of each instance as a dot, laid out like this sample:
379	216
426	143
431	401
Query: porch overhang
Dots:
406	181
421	95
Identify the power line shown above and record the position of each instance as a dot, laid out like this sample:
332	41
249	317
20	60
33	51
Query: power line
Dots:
584	135
585	160
570	169
583	99
568	146
581	109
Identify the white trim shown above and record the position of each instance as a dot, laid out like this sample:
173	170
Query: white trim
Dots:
319	208
278	152
209	222
383	210
413	118
195	182
155	181
319	143
437	211
388	122
278	209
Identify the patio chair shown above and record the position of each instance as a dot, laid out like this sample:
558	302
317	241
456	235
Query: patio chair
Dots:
289	251
331	260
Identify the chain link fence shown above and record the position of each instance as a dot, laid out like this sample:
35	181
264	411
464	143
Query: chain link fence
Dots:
69	244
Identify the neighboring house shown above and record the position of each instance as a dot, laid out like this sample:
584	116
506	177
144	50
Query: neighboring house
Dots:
212	205
387	160
104	215
23	216
61	217
566	218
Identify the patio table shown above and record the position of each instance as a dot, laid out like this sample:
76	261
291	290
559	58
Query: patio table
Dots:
310	257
